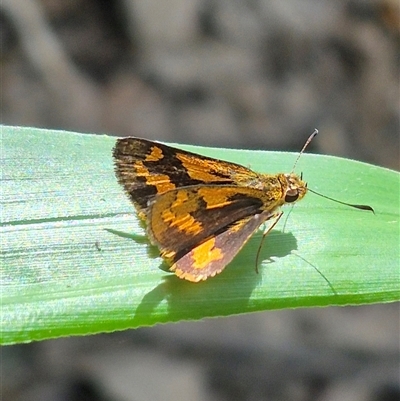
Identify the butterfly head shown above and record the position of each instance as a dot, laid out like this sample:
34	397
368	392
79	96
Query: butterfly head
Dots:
296	188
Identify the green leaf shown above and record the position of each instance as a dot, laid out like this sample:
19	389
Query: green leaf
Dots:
75	259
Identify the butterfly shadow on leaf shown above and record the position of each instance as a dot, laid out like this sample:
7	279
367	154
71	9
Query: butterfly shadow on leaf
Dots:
227	293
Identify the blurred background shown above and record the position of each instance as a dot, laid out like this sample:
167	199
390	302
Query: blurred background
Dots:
236	73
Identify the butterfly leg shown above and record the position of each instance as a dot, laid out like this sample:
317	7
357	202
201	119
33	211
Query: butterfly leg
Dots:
277	217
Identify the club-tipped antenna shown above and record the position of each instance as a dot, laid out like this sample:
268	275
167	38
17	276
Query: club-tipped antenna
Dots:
361	207
310	138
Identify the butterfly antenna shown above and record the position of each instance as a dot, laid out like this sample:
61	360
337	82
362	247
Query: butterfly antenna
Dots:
361	207
310	138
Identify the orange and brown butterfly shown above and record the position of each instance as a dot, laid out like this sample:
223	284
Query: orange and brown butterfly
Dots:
199	211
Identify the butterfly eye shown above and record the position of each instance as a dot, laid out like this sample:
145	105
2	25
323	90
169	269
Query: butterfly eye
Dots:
291	196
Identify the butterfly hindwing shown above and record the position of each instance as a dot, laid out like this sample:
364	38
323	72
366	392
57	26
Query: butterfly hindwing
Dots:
211	256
